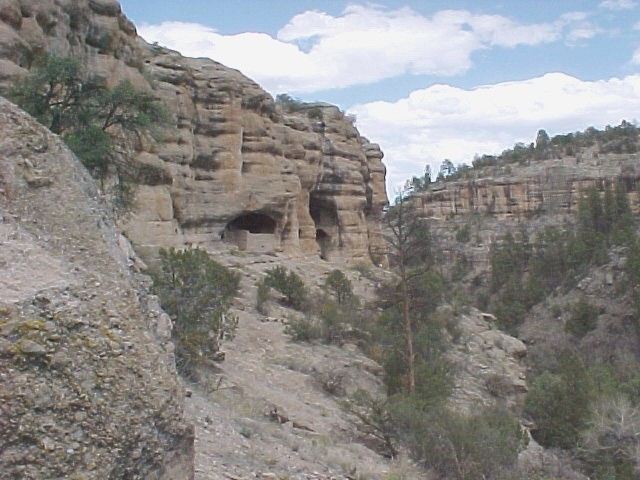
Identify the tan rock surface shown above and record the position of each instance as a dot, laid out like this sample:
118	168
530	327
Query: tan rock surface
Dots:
549	187
233	152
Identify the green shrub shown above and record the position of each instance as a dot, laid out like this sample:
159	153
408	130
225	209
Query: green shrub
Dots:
262	296
315	113
340	286
94	148
334	320
290	285
288	103
196	292
558	403
53	91
463	234
583	319
365	269
123	196
324	320
459	446
460	268
88	116
375	421
304	329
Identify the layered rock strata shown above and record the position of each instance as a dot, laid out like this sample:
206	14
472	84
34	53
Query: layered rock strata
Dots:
549	187
496	200
234	161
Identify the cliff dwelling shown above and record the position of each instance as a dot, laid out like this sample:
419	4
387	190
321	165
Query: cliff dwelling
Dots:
325	218
254	232
324	242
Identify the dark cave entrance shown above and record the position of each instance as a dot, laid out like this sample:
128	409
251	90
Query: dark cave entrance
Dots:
324	242
253	223
325	218
254	232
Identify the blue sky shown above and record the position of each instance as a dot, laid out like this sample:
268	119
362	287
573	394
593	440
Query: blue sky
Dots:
428	80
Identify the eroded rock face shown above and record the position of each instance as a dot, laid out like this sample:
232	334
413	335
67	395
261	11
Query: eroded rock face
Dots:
234	156
549	187
527	199
488	364
89	386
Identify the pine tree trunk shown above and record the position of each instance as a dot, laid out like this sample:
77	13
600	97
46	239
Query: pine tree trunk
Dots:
408	332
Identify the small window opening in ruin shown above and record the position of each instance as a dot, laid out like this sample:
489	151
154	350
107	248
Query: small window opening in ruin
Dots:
253	223
324	242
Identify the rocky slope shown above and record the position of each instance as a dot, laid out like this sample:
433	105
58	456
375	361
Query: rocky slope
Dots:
235	160
88	383
313	437
272	409
467	215
302	183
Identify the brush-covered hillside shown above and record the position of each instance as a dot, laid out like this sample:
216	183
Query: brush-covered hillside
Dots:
544	237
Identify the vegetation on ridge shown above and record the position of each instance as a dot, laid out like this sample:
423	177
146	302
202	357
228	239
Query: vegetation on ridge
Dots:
620	139
584	273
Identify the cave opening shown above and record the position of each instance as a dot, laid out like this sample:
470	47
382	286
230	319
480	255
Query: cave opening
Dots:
324	242
253	223
323	213
254	232
325	218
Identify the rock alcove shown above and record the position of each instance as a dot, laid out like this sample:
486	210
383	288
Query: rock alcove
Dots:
252	231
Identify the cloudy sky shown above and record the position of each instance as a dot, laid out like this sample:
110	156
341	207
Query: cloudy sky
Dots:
427	80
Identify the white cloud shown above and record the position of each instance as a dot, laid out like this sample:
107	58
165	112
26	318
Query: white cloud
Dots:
618	4
446	122
258	55
365	44
577	27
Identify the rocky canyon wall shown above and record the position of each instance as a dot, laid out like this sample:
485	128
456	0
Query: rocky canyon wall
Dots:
497	200
545	187
234	160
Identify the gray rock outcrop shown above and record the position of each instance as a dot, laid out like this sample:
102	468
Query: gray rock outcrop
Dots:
88	387
488	364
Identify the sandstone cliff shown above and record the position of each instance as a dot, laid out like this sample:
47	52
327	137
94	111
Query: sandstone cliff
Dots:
88	384
495	200
235	161
545	187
